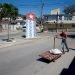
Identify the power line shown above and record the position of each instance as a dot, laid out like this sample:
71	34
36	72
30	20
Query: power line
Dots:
39	4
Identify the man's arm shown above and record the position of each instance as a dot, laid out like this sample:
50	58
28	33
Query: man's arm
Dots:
58	36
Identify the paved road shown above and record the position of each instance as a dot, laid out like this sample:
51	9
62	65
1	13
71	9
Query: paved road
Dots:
20	60
23	59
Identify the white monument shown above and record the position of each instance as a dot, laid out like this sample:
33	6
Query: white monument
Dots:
30	25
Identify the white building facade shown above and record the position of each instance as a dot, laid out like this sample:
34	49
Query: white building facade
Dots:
56	16
60	18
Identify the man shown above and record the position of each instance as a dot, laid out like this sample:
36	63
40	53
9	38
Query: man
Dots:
63	42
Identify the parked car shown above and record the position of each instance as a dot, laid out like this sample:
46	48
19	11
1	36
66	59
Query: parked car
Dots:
24	28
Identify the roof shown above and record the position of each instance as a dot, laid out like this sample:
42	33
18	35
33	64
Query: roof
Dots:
59	15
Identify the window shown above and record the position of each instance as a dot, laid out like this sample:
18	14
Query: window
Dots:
65	18
68	18
73	25
60	17
22	23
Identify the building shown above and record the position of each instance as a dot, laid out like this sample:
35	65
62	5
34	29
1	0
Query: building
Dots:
16	24
59	21
55	11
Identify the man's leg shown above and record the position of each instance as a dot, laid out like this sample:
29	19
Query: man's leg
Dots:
66	46
63	47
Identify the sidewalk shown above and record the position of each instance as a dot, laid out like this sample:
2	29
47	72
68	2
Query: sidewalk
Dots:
19	40
11	32
62	64
57	67
14	42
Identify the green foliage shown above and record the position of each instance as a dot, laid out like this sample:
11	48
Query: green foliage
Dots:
70	9
39	21
8	10
19	28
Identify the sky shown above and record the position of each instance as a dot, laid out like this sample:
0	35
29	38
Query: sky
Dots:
26	6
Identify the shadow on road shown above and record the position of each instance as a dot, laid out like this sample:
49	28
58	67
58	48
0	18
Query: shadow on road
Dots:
71	48
7	39
70	70
44	60
71	36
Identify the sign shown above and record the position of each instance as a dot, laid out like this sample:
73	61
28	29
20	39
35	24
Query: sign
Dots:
30	25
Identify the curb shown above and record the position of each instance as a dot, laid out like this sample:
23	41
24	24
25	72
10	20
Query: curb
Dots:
11	44
18	42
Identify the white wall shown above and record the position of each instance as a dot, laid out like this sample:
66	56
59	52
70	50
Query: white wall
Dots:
53	19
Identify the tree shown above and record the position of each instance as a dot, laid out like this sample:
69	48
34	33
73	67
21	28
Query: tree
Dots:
70	9
0	17
9	11
39	21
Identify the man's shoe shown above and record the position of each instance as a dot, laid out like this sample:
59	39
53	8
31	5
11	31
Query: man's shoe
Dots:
63	52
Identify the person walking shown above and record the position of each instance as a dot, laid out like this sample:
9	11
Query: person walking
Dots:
63	36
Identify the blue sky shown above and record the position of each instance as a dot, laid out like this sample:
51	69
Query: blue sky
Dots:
26	6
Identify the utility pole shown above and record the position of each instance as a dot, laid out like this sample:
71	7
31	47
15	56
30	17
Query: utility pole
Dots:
57	22
42	5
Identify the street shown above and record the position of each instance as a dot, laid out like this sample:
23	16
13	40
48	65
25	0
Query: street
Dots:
37	37
18	60
23	59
